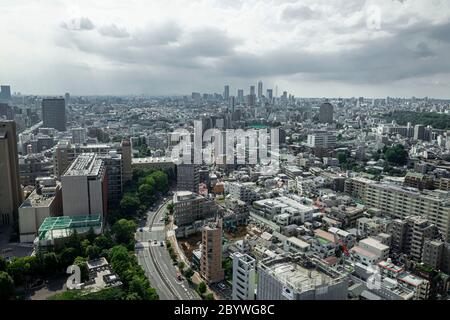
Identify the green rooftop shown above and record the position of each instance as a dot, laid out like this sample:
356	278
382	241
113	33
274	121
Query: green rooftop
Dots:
68	223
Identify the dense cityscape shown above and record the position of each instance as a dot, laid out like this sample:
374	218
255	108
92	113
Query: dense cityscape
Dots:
356	205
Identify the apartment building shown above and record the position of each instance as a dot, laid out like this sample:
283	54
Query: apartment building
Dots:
211	258
291	277
244	270
400	202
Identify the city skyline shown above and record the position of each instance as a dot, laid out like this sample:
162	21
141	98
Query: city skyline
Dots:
308	48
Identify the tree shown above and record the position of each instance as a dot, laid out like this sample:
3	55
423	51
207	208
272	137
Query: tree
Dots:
188	273
227	265
93	252
342	157
170	208
123	231
104	241
181	265
51	263
3	264
145	194
201	288
7	288
396	155
129	204
66	257
209	296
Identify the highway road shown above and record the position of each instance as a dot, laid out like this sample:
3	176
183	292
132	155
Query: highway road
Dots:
156	260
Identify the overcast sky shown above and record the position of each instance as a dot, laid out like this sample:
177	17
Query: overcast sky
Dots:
311	48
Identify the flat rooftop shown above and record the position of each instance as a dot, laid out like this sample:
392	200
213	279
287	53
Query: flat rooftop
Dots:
86	164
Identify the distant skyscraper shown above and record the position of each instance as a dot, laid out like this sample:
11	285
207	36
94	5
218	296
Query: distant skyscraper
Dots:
10	189
269	94
326	113
226	93
252	96
240	95
67	98
54	113
5	93
260	89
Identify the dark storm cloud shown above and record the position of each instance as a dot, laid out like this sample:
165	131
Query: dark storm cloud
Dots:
405	52
159	46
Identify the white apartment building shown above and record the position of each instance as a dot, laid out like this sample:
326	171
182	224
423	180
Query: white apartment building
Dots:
400	202
244	269
322	139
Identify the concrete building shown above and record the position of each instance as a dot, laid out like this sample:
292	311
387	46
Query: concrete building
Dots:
432	253
85	187
189	208
369	251
54	113
243	191
153	163
410	234
211	259
114	165
322	139
79	135
33	166
188	177
326	113
126	158
10	189
292	277
400	202
244	269
45	201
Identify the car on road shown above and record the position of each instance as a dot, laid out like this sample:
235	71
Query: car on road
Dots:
222	286
141	230
161	243
155	242
179	277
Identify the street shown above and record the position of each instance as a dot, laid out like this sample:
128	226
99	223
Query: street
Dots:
156	261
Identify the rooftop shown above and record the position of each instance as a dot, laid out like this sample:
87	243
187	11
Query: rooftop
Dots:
86	164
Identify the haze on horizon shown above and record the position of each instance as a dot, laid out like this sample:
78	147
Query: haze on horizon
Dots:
311	48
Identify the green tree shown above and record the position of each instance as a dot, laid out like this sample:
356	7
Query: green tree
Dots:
104	241
3	264
51	263
123	231
67	256
201	288
145	194
396	155
170	208
188	273
129	204
209	296
181	265
93	252
7	288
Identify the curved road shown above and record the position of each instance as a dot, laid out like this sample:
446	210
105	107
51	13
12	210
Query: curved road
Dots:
156	260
